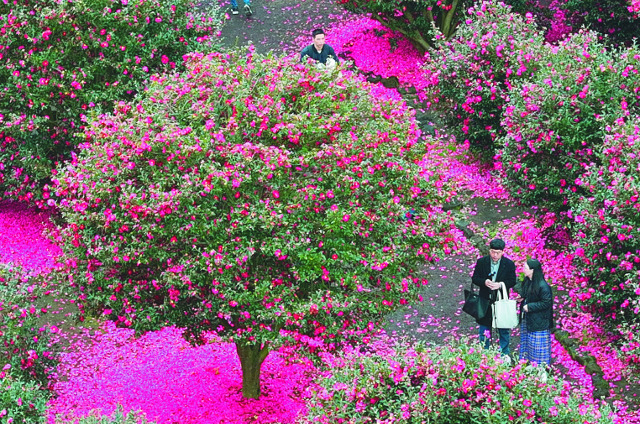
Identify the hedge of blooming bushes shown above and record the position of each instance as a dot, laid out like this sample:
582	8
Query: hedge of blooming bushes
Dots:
562	122
457	383
570	145
59	61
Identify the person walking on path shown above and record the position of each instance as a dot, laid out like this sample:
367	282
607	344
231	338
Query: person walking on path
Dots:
319	50
536	312
247	7
490	271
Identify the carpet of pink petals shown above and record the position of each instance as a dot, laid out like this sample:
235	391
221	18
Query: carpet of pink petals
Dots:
21	240
160	374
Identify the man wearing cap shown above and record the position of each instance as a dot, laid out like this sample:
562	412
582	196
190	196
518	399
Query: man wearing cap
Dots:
489	272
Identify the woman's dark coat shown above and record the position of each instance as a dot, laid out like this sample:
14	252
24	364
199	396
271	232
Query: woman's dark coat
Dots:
538	297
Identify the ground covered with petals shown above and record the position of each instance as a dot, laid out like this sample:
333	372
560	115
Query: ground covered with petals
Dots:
172	382
21	237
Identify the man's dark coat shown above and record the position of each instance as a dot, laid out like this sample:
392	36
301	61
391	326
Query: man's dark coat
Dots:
506	274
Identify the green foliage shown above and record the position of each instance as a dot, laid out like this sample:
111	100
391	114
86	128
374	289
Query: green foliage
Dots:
21	401
607	223
118	417
613	19
26	359
23	342
458	383
250	195
556	121
421	21
469	76
59	60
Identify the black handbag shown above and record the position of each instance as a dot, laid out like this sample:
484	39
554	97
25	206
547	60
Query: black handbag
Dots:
475	305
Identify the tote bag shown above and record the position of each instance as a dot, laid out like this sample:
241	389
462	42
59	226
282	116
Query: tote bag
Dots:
505	310
475	305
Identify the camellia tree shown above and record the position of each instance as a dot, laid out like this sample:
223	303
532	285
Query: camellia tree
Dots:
60	60
256	198
606	221
468	78
418	20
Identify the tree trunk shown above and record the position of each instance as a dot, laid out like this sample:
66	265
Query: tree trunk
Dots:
251	358
448	26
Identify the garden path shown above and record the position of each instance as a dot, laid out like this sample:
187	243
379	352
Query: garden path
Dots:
278	25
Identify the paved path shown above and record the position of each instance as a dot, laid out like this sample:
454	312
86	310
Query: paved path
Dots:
277	24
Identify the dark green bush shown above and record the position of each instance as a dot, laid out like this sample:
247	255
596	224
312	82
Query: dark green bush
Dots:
556	121
61	60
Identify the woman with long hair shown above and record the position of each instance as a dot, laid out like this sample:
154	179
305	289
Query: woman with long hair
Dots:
536	312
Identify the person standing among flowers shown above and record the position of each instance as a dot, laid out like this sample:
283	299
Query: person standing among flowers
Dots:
536	315
489	272
319	50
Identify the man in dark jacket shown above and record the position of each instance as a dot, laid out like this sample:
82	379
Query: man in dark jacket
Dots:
319	51
489	272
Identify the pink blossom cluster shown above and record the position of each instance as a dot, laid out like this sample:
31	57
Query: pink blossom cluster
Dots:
560	24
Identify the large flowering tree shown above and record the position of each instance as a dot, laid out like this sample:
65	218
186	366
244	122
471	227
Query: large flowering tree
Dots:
256	198
61	59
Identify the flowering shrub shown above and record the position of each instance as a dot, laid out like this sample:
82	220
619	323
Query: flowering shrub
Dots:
26	360
458	383
59	60
607	223
118	417
419	20
555	121
23	346
469	76
615	20
255	197
21	401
